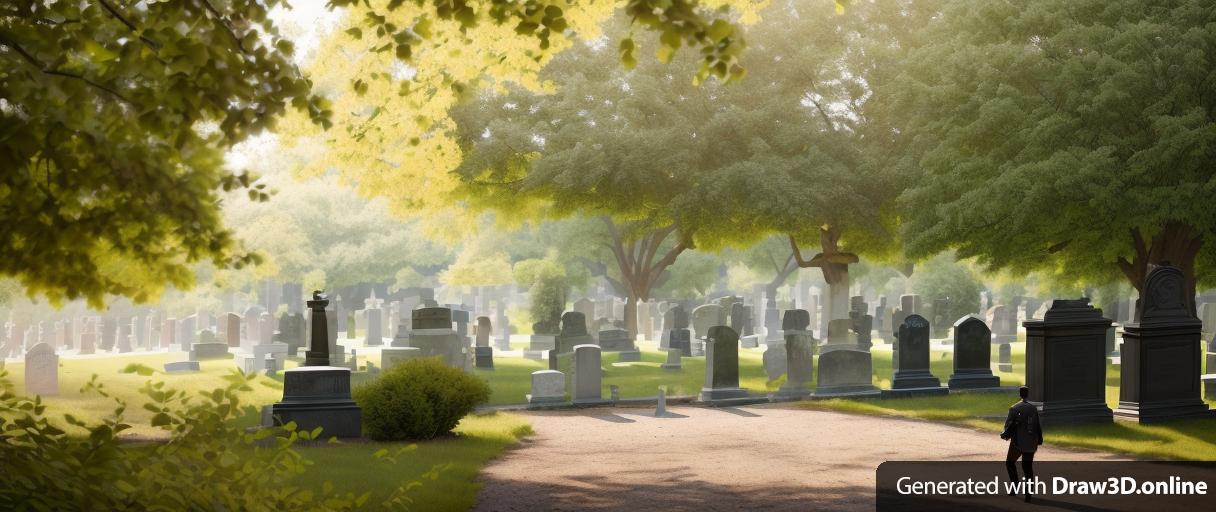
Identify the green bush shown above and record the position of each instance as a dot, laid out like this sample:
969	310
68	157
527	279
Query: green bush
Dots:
419	399
208	461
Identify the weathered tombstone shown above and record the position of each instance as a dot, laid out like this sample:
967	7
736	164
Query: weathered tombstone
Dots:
393	356
588	375
704	318
265	329
845	372
912	374
722	368
1160	374
548	387
433	334
972	355
1066	363
207	347
373	335
1004	361
673	359
123	338
460	319
41	370
187	332
862	326
293	331
573	332
109	329
232	329
680	337
799	355
483	331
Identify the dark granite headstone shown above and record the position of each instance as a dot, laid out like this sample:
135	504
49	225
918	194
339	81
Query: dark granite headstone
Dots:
972	355
796	320
1159	377
1066	363
913	355
722	366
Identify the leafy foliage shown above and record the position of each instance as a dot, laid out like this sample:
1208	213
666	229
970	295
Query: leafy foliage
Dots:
942	277
547	287
113	122
1072	137
418	399
208	462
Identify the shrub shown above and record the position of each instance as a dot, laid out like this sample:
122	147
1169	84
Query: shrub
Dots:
208	462
419	399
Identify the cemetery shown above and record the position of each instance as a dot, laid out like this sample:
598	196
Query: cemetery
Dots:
582	256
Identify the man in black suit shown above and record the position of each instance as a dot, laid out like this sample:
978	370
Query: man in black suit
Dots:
1025	435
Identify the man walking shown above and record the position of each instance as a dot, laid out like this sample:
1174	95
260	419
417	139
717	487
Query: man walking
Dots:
1025	435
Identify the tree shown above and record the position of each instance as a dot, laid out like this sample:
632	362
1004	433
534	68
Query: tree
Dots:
943	277
616	146
815	164
113	123
1071	136
772	257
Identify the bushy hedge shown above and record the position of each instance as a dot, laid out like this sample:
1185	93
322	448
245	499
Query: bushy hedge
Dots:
418	399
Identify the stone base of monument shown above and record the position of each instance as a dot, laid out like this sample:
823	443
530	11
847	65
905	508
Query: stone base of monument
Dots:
858	390
752	341
1004	367
1165	410
1209	385
914	379
204	351
630	356
542	342
1089	411
974	379
590	402
483	357
728	397
910	392
393	356
319	396
790	394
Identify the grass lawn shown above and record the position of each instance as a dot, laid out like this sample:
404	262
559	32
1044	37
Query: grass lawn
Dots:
352	466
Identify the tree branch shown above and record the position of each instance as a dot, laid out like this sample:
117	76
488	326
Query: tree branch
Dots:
114	12
42	68
219	20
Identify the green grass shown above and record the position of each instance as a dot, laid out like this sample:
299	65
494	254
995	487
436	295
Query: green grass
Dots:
352	466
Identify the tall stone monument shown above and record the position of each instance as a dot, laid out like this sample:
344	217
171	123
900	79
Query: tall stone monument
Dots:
1159	374
1066	363
316	394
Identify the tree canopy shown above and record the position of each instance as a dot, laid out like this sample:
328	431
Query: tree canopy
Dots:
1070	136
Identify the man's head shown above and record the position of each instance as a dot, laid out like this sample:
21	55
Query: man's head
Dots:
1024	391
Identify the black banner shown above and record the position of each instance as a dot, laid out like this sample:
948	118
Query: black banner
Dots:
1083	486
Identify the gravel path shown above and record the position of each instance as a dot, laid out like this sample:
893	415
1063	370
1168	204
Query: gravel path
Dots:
770	457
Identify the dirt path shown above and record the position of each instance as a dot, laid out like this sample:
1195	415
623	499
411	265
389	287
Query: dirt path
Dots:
745	458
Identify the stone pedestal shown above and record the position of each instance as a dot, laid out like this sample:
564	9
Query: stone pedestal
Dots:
484	357
1066	363
319	396
1160	372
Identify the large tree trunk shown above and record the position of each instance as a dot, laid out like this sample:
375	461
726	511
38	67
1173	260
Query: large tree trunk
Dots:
835	266
641	266
1177	244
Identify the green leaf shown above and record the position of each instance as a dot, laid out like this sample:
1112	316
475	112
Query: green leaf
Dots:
355	32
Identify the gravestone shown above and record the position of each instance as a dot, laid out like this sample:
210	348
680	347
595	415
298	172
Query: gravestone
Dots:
845	372
109	329
432	333
393	356
1004	358
182	367
673	359
972	355
679	337
588	376
374	333
88	338
704	317
1159	378
548	387
799	355
573	332
586	307
293	331
208	347
483	331
1066	363
483	357
123	339
232	329
317	394
722	369
862	326
912	374
41	370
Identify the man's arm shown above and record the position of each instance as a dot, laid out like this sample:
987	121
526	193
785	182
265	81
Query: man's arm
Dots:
1008	424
